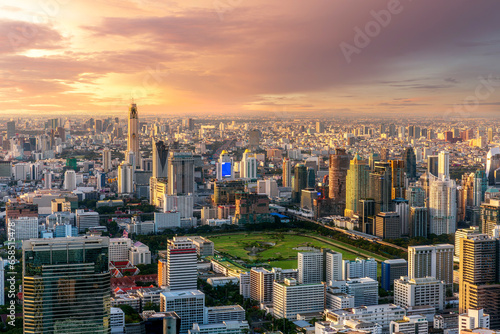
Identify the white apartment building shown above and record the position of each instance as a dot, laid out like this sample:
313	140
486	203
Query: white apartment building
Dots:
118	249
337	301
333	266
473	319
359	268
381	314
226	327
219	314
431	261
290	298
245	285
117	320
188	304
419	292
22	228
139	253
310	265
182	203
414	324
364	290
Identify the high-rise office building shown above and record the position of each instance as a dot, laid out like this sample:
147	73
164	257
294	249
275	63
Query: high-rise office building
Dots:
359	268
490	216
332	265
125	178
415	196
479	286
287	173
261	285
299	181
160	159
401	207
320	127
70	180
442	206
338	167
180	270
181	173
419	221
432	165
426	291
66	285
479	187
310	265
133	134
434	261
248	166
189	305
11	129
225	167
357	181
410	163
381	187
464	233
492	164
288	298
398	189
22	228
391	270
106	160
388	225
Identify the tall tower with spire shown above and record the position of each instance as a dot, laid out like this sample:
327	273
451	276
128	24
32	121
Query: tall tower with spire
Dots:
133	134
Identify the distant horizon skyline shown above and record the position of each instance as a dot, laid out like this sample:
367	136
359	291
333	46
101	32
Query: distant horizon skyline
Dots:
330	59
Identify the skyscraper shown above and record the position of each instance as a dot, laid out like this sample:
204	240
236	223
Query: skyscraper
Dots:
125	178
492	164
248	166
398	179
181	173
180	271
225	167
66	285
490	216
357	181
415	196
381	187
479	188
287	173
133	134
299	182
11	129
410	163
310	265
106	160
338	167
444	164
479	286
160	159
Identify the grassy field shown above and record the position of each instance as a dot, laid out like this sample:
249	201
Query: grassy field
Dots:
277	247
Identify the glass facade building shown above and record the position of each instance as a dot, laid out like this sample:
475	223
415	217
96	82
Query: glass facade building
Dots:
66	285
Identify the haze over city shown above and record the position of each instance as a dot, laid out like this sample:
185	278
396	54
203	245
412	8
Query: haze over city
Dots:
237	57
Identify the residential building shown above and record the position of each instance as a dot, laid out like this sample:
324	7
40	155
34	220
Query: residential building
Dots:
310	265
359	268
419	292
261	285
474	318
22	228
187	304
288	298
431	261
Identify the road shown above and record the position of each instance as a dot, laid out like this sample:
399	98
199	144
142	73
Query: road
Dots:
354	234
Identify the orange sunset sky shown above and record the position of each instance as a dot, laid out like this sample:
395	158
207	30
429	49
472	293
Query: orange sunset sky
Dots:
246	57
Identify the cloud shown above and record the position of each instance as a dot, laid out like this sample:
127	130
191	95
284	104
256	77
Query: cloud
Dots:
17	36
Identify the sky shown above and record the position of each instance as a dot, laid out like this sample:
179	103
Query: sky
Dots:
241	57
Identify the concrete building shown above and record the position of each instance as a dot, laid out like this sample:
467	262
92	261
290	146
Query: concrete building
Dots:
118	249
420	292
204	247
180	271
261	285
22	228
392	270
332	265
86	220
125	178
133	135
381	314
359	268
337	301
219	314
364	290
310	265
117	320
289	298
226	327
414	324
139	253
419	222
431	261
479	286
474	318
187	304
464	233
388	225
70	180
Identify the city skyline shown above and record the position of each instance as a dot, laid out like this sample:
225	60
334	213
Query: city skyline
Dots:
250	58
